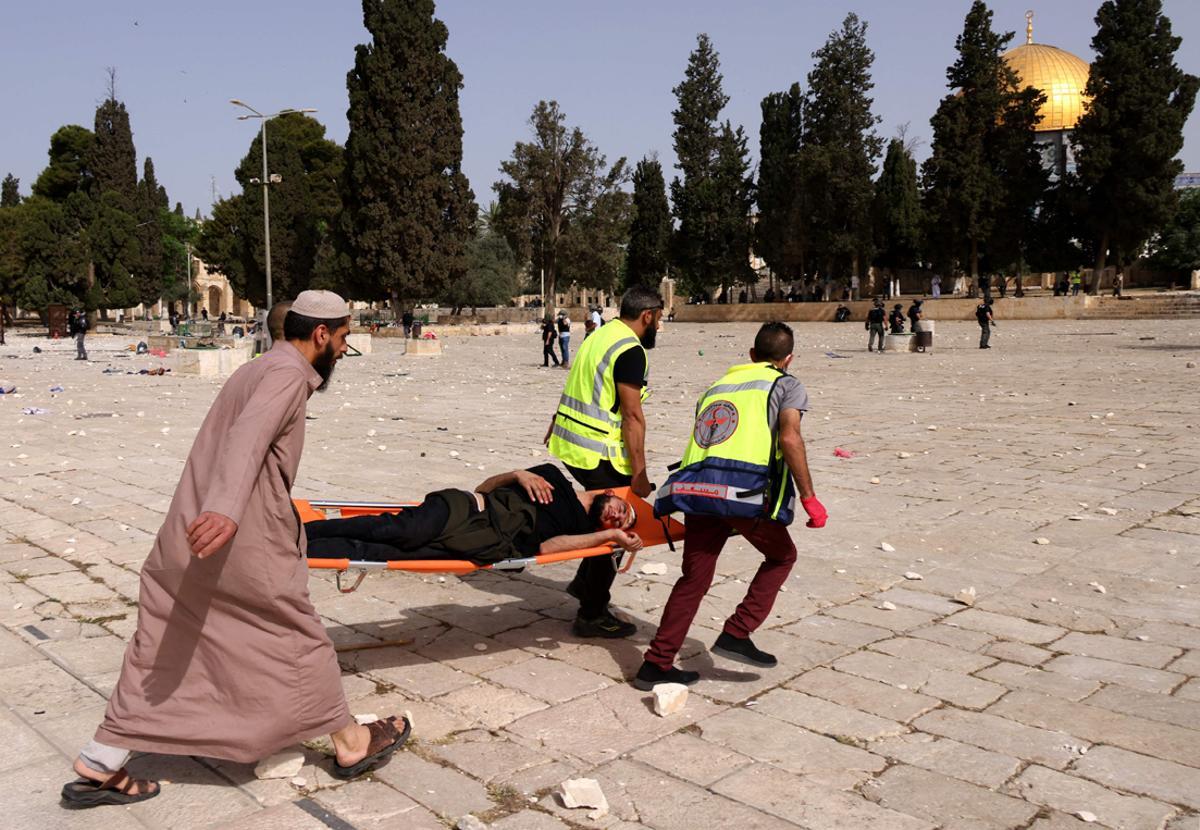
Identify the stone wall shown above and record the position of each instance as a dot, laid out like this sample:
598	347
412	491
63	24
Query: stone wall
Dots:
944	308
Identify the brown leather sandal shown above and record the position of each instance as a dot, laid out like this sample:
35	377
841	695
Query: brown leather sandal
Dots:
83	793
385	739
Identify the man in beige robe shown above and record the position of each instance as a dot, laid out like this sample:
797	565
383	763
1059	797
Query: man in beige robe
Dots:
229	659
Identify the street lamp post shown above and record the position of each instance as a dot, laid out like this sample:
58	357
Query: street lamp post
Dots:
266	179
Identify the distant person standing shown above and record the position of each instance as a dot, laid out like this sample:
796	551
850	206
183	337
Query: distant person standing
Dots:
406	320
896	319
855	286
874	325
564	338
77	327
935	286
1076	282
549	335
984	315
915	315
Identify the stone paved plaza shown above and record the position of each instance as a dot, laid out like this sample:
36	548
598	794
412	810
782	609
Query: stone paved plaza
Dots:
1057	474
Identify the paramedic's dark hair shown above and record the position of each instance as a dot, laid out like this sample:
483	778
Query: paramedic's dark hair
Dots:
774	341
298	327
639	299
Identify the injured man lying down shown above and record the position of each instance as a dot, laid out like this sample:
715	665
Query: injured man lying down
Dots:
516	514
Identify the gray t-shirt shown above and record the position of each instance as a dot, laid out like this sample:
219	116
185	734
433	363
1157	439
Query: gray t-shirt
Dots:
788	393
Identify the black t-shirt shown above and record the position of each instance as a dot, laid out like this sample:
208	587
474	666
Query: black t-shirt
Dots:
563	516
875	315
564	325
981	314
629	368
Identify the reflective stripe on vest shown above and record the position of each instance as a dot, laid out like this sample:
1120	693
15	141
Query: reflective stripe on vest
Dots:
586	431
733	465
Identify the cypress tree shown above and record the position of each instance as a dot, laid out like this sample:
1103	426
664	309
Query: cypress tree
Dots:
10	191
897	209
782	226
840	127
733	186
650	231
114	159
697	141
1132	128
148	273
55	222
982	132
409	210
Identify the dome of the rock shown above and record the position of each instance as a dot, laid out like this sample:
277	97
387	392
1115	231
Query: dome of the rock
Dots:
1061	76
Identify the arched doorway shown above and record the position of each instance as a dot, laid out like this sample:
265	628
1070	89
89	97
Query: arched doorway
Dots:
214	301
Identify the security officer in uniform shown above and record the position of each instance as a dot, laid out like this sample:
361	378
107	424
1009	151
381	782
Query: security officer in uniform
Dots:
740	472
599	434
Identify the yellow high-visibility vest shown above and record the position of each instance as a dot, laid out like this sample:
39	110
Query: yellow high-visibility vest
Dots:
586	431
733	464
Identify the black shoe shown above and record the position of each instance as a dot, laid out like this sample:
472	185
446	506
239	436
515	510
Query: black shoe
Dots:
650	675
743	651
606	625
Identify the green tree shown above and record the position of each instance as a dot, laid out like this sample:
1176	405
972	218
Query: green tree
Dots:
713	194
114	158
897	209
179	235
69	171
53	255
982	136
1132	129
490	278
650	229
305	204
151	202
782	228
561	207
10	191
1177	246
839	127
409	210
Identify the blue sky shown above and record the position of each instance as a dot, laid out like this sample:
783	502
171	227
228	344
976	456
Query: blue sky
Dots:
610	65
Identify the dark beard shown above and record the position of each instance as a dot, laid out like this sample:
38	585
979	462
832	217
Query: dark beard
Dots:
324	364
649	337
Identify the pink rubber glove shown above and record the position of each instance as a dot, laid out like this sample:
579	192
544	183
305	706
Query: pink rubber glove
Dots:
816	512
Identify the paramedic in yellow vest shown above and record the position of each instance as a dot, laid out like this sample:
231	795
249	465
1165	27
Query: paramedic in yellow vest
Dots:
740	472
598	432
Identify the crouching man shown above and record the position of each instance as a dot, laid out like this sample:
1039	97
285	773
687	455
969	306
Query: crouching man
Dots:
740	472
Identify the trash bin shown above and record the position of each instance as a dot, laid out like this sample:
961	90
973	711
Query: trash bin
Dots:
924	335
416	329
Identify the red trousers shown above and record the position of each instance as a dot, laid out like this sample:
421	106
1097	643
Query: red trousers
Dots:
703	540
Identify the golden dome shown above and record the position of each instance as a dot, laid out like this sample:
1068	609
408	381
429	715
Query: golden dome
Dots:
1060	75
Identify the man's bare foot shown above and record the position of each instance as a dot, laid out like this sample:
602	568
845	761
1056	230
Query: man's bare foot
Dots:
136	787
350	744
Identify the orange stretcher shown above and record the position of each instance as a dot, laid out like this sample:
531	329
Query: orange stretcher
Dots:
652	530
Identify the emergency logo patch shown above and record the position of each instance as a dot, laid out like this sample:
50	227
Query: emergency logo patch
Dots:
716	424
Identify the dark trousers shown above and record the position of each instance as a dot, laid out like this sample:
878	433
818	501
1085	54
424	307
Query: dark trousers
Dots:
548	354
594	578
985	332
381	538
876	331
704	538
80	349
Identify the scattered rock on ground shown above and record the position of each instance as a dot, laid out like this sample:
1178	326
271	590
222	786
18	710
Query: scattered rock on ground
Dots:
585	793
286	764
669	698
966	596
653	568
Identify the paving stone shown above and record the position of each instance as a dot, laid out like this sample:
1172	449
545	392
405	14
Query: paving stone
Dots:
1188	664
948	635
1006	627
1123	770
947	802
489	705
1148	705
439	789
1023	677
934	654
931	603
601	726
813	807
1136	677
1092	723
901	619
688	757
280	817
528	820
1055	749
1070	795
942	755
834	630
1018	653
550	680
962	689
1184	636
487	756
1117	649
825	717
789	747
861	693
901	673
